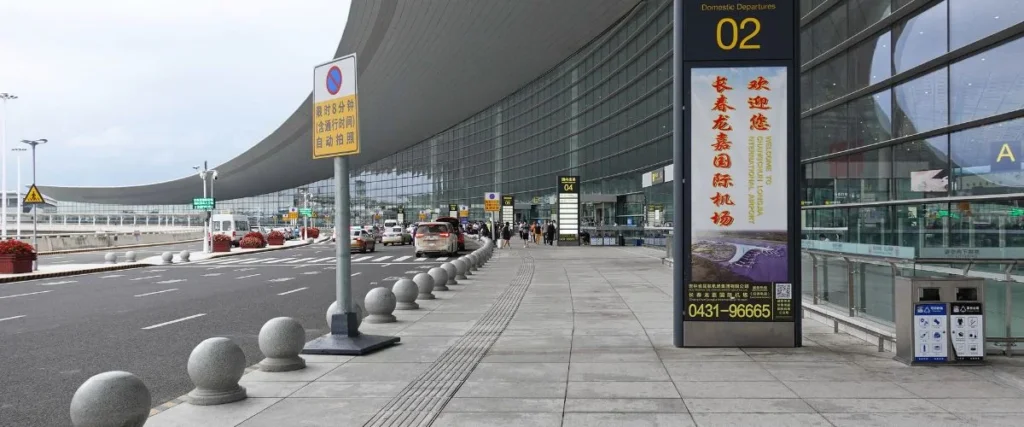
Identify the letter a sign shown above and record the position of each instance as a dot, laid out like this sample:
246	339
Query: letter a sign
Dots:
33	197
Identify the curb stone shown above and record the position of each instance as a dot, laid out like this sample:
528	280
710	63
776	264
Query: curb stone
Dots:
72	273
114	248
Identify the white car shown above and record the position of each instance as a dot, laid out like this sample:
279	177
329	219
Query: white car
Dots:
396	236
436	238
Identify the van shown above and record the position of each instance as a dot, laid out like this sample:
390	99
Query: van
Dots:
235	226
388	223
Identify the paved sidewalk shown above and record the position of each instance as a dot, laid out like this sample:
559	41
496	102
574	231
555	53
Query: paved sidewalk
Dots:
582	337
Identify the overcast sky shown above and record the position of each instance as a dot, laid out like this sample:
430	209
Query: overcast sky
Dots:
137	92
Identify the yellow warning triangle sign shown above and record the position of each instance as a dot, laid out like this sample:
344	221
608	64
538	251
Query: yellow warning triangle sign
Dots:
33	197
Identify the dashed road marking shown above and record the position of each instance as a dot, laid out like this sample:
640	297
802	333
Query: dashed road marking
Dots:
246	277
157	292
24	295
173	321
293	291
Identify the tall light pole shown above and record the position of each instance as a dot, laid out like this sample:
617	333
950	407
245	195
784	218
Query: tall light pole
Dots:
206	221
35	207
3	159
19	150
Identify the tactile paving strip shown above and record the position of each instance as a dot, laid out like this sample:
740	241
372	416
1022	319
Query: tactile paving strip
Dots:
423	399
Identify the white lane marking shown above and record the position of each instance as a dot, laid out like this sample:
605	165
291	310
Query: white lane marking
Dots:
312	272
385	265
281	279
24	295
444	258
293	290
111	276
173	321
381	258
356	274
402	258
12	318
392	278
157	292
231	261
246	277
283	259
362	258
330	258
420	259
244	269
212	274
300	260
146	277
62	282
158	270
412	272
171	281
253	261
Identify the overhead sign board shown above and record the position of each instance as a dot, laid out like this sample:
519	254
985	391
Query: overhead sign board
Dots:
568	223
204	203
492	202
741	272
335	109
33	197
508	206
306	212
453	210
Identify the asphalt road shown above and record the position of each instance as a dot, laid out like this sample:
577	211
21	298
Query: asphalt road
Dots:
96	257
56	333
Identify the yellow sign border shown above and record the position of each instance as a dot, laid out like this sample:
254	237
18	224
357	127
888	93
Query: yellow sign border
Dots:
33	197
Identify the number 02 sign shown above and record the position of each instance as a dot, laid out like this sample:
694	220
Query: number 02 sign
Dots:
725	30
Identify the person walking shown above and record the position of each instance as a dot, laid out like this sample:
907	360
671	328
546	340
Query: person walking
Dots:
524	233
538	232
506	235
551	233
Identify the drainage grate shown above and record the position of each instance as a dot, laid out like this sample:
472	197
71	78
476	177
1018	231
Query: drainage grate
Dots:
419	403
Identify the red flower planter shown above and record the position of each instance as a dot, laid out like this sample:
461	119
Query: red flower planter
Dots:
279	241
221	246
16	264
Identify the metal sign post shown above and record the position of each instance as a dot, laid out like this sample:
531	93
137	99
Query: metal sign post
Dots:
336	134
737	253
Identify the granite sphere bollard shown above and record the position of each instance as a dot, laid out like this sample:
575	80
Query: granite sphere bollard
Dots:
460	268
452	272
167	258
281	340
310	241
405	291
109	399
129	256
425	283
185	255
215	366
333	309
110	258
468	260
474	261
380	303
440	277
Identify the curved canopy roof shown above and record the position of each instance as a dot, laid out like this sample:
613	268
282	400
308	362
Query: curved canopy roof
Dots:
423	67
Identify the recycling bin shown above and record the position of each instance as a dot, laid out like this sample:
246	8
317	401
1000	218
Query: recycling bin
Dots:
940	320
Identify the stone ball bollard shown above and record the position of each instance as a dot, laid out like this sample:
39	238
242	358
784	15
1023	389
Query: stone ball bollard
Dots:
460	268
468	260
110	258
115	398
310	241
405	291
474	261
440	277
452	272
425	283
184	255
281	340
215	366
129	256
167	258
380	303
333	309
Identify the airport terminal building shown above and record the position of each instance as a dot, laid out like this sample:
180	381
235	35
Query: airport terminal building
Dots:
911	134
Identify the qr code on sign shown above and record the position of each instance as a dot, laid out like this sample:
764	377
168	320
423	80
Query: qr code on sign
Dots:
783	291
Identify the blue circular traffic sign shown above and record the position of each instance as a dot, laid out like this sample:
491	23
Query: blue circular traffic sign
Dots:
334	80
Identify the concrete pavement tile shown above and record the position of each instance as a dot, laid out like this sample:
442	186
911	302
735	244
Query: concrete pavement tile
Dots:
872	406
520	372
1003	405
564	317
607	316
526	356
703	354
449	317
926	373
848	389
625	405
827	374
717	371
227	415
760	420
401	353
612	341
316	412
537	325
311	372
748	406
434	329
735	389
990	420
626	420
614	355
271	388
896	420
542	342
625	371
369	372
540	390
352	390
968	389
561	332
325	358
476	419
621	390
503	404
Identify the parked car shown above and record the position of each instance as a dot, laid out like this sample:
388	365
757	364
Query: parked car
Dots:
436	238
454	222
235	226
396	236
362	241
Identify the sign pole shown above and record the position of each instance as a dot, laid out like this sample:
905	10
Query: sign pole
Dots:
677	172
343	280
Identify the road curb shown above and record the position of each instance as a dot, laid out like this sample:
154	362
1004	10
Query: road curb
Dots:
184	398
72	272
260	250
113	248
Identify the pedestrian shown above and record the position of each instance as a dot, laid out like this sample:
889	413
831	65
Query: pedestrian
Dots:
538	232
551	233
506	235
524	233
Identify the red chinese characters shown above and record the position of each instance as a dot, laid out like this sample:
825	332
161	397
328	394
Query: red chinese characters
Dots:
760	83
758	103
721	84
722	123
721	180
759	122
723	218
720	199
722	142
722	104
722	160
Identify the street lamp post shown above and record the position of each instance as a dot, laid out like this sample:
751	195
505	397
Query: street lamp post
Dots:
35	206
19	150
3	159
